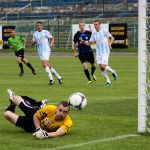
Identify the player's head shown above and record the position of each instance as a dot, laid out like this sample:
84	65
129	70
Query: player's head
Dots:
82	25
13	33
62	110
97	25
39	26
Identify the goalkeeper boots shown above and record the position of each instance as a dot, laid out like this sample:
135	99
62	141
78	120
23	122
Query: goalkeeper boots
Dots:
10	94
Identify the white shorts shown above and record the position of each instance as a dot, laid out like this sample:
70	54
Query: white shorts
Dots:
102	59
45	55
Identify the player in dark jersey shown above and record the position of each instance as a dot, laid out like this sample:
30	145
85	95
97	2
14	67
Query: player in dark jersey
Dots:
84	52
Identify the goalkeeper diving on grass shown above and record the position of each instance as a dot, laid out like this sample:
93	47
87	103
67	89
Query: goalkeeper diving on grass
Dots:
43	120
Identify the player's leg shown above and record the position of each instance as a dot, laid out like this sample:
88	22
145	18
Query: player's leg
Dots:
34	102
25	61
102	62
114	74
10	110
48	71
44	56
93	66
20	65
11	116
19	57
55	73
82	59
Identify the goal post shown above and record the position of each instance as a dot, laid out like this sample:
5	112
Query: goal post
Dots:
142	66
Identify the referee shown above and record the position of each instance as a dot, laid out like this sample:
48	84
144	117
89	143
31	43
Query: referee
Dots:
84	52
17	42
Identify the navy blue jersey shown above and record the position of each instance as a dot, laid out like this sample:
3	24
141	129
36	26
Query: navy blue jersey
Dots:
82	48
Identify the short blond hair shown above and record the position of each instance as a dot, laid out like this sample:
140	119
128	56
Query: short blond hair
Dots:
81	22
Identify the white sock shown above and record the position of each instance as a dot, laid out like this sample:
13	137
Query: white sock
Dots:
55	73
105	75
107	68
47	69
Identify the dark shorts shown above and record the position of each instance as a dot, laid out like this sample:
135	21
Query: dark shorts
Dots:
86	57
20	53
26	122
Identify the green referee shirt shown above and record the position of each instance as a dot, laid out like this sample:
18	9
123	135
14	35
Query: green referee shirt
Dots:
16	42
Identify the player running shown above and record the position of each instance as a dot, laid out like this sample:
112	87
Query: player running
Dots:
44	42
18	42
103	40
44	121
84	52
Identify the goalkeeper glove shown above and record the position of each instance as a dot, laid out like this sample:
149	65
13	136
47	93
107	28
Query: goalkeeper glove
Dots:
40	134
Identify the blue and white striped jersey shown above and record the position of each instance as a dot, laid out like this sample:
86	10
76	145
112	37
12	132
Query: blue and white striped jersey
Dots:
101	39
42	40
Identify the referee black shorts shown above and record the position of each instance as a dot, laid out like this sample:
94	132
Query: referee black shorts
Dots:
86	57
26	122
20	53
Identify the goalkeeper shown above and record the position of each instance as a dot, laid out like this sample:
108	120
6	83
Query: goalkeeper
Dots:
47	121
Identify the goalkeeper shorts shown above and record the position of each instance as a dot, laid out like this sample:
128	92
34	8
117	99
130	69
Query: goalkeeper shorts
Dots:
26	122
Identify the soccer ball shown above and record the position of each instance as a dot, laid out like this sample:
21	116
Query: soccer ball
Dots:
77	101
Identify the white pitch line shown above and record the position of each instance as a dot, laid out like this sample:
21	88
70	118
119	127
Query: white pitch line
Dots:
93	142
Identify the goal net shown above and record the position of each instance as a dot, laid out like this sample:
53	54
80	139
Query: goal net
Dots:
143	66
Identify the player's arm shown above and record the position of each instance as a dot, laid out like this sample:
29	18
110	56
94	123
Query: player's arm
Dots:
60	131
110	40
75	40
33	41
37	121
52	42
23	41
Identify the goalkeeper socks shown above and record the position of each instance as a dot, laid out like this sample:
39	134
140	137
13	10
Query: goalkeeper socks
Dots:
21	67
55	73
107	68
47	69
87	74
11	107
30	66
93	70
105	75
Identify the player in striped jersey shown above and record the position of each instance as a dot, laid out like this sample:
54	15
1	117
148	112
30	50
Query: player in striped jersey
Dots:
103	40
44	41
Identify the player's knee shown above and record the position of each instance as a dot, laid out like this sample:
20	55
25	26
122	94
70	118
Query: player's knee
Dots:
102	67
16	98
7	114
44	64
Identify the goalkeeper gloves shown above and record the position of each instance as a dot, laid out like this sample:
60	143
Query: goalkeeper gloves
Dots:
40	134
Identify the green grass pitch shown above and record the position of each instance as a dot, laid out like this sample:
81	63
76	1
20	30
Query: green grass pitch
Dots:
106	123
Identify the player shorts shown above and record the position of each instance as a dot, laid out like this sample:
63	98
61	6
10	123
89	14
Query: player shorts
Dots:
44	55
86	57
26	122
102	59
20	53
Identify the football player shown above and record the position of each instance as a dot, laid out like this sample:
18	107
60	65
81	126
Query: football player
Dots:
44	122
84	52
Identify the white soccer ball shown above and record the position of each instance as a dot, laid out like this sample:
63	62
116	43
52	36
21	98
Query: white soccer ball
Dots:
77	101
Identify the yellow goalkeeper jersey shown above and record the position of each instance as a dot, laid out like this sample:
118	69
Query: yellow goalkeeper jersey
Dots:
47	116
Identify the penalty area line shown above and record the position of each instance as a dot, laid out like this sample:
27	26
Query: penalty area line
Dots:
93	142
